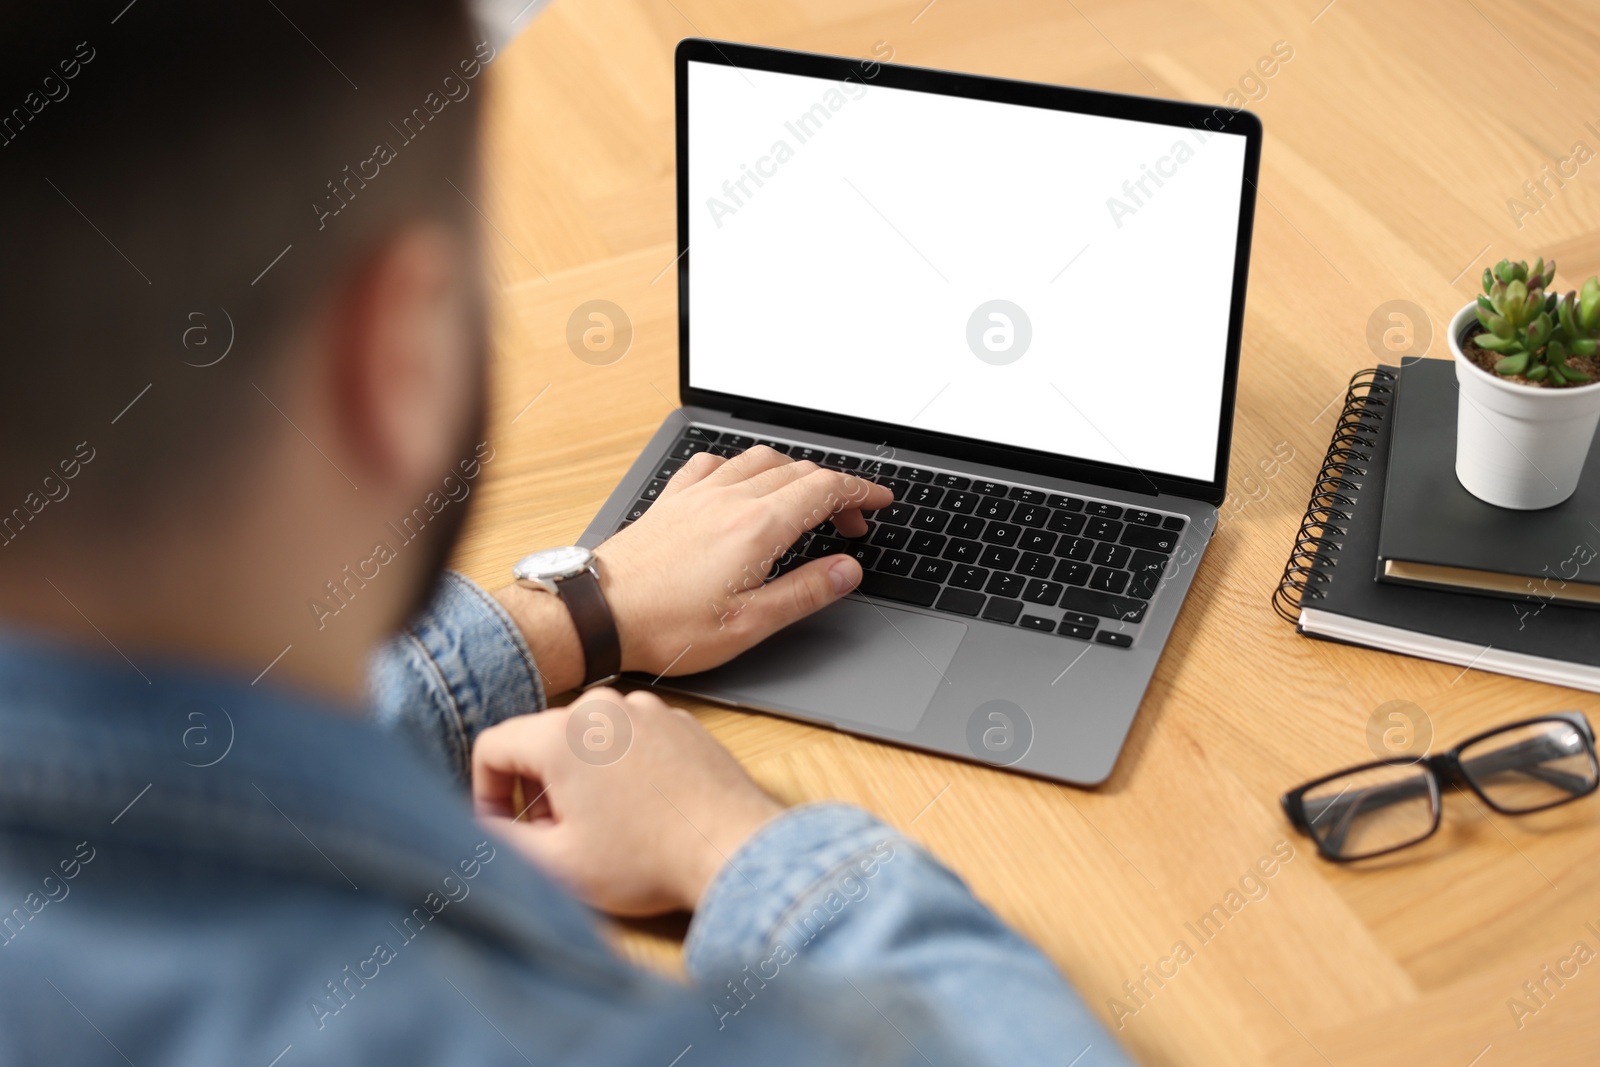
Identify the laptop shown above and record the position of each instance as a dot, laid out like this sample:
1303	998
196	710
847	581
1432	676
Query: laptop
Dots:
1018	306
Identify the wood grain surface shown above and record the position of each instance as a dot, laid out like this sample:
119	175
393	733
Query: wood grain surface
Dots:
1399	137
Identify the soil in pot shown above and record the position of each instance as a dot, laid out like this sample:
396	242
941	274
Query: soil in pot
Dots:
1589	365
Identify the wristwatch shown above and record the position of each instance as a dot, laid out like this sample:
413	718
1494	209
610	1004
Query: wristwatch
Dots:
572	574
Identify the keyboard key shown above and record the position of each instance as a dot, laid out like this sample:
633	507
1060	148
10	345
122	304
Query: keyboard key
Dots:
1066	522
923	494
776	446
1065	503
1078	548
994	508
999	533
963	551
1104	605
960	601
961	503
997	557
1037	622
894	587
999	609
1104	529
891	536
896	563
1110	555
898	486
1154	540
952	481
668	468
916	474
990	488
864	554
1036	565
738	441
897	514
1073	572
1143	518
653	490
826	546
685	449
929	519
700	433
725	451
932	570
1109	580
924	543
1073	629
1145	560
876	469
1039	591
1036	541
1144	584
1101	510
964	525
1008	585
968	577
1077	618
815	455
638	510
1031	515
1111	637
839	459
1174	522
1028	496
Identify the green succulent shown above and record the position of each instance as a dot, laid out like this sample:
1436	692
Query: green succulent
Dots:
1524	324
1577	329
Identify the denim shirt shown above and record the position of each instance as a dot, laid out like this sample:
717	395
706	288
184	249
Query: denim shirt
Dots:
195	869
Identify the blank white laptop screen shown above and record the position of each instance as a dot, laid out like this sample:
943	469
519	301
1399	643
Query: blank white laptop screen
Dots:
1022	276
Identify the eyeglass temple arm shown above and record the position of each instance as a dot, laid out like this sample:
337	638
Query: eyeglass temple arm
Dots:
1526	757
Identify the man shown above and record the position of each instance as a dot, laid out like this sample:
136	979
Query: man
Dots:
241	414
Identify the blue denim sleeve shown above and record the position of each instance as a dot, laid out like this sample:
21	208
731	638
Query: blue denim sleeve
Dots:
831	891
459	668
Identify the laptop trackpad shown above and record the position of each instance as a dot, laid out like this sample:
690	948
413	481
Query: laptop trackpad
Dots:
855	663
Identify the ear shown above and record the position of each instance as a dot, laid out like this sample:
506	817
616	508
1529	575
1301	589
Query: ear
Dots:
406	373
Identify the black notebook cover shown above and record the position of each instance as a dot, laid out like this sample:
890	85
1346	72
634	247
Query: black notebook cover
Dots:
1330	590
1429	518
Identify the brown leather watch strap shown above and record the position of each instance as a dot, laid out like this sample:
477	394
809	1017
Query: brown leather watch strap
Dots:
597	630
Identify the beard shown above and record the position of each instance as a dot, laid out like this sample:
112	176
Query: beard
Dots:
443	534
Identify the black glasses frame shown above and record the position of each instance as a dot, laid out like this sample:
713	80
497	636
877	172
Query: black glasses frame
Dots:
1442	770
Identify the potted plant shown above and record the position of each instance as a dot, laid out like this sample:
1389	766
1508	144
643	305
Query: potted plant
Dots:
1529	386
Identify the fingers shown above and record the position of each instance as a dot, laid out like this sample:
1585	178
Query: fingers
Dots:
821	495
749	463
698	468
519	751
804	591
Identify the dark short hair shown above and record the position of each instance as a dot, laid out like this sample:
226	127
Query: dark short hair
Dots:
176	174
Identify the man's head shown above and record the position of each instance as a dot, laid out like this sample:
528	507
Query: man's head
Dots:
241	275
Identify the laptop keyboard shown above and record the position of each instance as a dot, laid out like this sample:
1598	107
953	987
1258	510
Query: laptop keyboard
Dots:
1011	554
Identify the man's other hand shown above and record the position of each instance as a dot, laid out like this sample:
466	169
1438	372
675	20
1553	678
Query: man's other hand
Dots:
685	582
627	802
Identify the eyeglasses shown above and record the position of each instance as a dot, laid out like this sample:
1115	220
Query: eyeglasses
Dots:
1376	808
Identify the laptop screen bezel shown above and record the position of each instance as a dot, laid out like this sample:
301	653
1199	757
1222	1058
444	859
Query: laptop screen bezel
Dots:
1213	119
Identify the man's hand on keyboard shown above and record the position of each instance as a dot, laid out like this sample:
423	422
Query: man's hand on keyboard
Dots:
685	581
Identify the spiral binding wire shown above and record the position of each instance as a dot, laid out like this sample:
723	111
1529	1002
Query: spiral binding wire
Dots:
1316	547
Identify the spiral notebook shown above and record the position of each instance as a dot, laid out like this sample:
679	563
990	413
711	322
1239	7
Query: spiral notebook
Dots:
1329	587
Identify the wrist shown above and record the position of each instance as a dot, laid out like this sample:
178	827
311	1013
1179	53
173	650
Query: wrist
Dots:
727	835
550	634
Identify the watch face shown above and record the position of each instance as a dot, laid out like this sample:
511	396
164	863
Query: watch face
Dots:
553	563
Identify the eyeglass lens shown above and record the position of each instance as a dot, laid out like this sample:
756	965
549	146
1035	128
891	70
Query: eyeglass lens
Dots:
1531	766
1372	810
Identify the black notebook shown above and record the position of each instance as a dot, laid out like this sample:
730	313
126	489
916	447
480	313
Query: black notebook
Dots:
1329	589
1435	533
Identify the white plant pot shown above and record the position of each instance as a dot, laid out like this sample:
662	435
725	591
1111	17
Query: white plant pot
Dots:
1518	446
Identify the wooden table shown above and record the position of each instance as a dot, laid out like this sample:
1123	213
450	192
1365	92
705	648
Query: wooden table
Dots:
1396	134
